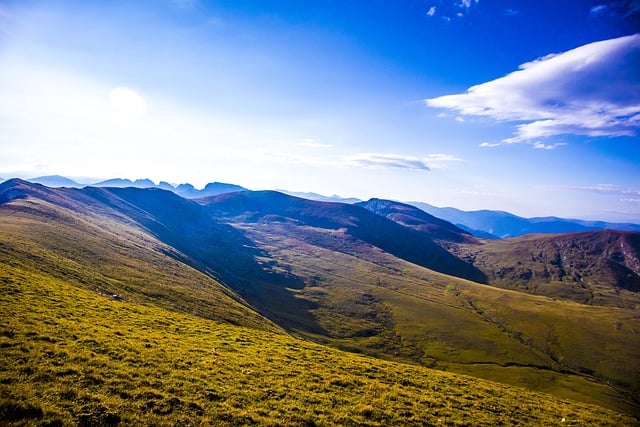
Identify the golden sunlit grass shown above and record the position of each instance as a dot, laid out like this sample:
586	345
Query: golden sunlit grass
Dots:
72	357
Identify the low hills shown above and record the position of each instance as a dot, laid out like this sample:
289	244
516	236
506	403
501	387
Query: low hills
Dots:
213	303
499	224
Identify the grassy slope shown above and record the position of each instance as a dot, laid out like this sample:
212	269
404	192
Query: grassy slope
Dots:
70	356
366	300
107	255
357	298
586	267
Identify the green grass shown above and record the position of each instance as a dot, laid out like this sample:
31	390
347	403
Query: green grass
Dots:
70	356
108	256
368	301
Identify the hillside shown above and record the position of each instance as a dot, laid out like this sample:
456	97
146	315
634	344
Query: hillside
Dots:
327	272
355	221
437	229
89	238
597	267
360	297
70	356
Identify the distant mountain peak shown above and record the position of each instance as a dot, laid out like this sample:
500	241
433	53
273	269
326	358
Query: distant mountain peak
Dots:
55	181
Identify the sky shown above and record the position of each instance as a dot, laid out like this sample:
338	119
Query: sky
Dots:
531	107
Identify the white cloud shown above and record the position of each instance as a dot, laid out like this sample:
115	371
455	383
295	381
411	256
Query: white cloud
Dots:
592	90
439	161
597	10
468	3
542	146
491	144
386	161
431	11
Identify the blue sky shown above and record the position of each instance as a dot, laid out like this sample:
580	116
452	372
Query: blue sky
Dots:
529	107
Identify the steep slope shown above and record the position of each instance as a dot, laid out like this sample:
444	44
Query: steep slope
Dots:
437	229
354	221
597	267
84	238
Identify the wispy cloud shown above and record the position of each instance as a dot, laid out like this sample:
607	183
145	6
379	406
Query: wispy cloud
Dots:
431	11
357	160
399	161
440	161
468	3
491	144
598	10
542	146
386	161
626	195
592	90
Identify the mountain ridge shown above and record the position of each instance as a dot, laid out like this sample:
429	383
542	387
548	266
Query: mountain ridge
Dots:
486	224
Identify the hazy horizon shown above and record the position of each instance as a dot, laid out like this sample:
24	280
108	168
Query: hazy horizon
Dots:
474	104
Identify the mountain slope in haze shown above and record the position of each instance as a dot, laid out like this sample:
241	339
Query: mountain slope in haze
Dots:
595	267
320	198
184	190
123	183
354	221
504	224
55	181
442	231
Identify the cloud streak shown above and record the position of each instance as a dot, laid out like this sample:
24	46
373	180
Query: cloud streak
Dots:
591	90
386	161
399	161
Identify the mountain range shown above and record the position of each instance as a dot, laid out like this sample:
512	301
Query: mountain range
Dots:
499	224
185	190
488	224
